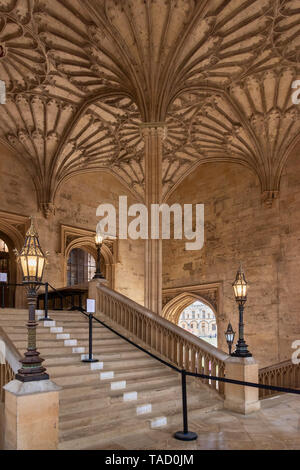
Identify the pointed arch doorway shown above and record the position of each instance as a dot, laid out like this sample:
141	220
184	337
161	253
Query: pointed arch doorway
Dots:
8	267
195	314
199	319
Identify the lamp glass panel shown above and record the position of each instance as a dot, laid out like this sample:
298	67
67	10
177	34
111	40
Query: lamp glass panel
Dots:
41	267
230	337
24	265
240	289
98	238
32	265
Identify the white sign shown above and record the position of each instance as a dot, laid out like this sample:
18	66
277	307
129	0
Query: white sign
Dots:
2	92
3	277
90	305
2	352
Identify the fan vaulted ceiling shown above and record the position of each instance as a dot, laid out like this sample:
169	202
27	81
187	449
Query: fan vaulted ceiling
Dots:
82	76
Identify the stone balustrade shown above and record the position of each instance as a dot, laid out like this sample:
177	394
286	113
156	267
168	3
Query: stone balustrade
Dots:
283	374
162	337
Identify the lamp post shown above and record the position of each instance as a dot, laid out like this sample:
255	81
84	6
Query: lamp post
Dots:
240	292
229	335
32	260
98	241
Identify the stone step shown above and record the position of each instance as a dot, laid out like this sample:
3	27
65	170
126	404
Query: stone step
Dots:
77	391
47	333
108	361
96	395
93	376
93	419
111	349
94	436
52	341
60	349
161	405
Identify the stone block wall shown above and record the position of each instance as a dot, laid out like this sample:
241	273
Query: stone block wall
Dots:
267	241
76	204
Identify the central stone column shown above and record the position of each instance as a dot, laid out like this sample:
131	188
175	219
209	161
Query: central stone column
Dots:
154	134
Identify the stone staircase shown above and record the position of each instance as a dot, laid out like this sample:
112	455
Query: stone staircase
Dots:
126	393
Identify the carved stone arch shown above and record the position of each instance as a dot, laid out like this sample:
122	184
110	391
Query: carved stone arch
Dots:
12	231
72	237
88	244
173	309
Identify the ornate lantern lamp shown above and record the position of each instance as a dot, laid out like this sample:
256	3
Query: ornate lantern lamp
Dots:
240	286
32	261
99	242
240	291
229	335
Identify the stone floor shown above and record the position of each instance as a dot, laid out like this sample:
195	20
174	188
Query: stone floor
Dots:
275	427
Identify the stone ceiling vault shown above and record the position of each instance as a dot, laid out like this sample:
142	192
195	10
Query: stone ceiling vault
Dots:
81	77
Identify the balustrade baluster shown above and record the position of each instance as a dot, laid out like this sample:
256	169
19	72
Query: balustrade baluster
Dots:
214	374
193	360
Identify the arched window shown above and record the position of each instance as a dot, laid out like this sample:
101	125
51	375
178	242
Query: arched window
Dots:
8	272
3	247
4	257
201	328
81	267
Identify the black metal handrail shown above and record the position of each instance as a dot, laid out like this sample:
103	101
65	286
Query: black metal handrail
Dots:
185	434
3	286
63	294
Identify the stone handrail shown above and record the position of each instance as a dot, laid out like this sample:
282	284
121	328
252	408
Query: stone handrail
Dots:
283	374
9	361
162	337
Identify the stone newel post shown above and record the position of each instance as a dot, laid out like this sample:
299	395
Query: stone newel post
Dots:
238	398
31	415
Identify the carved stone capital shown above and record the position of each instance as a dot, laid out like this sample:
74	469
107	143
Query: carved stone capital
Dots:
268	197
148	129
48	209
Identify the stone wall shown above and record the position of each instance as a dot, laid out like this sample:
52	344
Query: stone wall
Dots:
76	204
267	241
237	227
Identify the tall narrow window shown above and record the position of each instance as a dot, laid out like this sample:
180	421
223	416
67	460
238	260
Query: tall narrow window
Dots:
4	257
81	267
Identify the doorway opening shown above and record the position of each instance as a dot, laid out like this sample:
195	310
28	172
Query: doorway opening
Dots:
8	268
199	319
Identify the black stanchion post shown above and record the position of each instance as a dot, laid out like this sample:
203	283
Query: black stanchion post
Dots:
46	297
185	435
2	296
72	302
46	300
90	358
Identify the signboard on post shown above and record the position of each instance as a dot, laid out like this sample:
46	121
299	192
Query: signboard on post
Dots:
3	277
90	306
